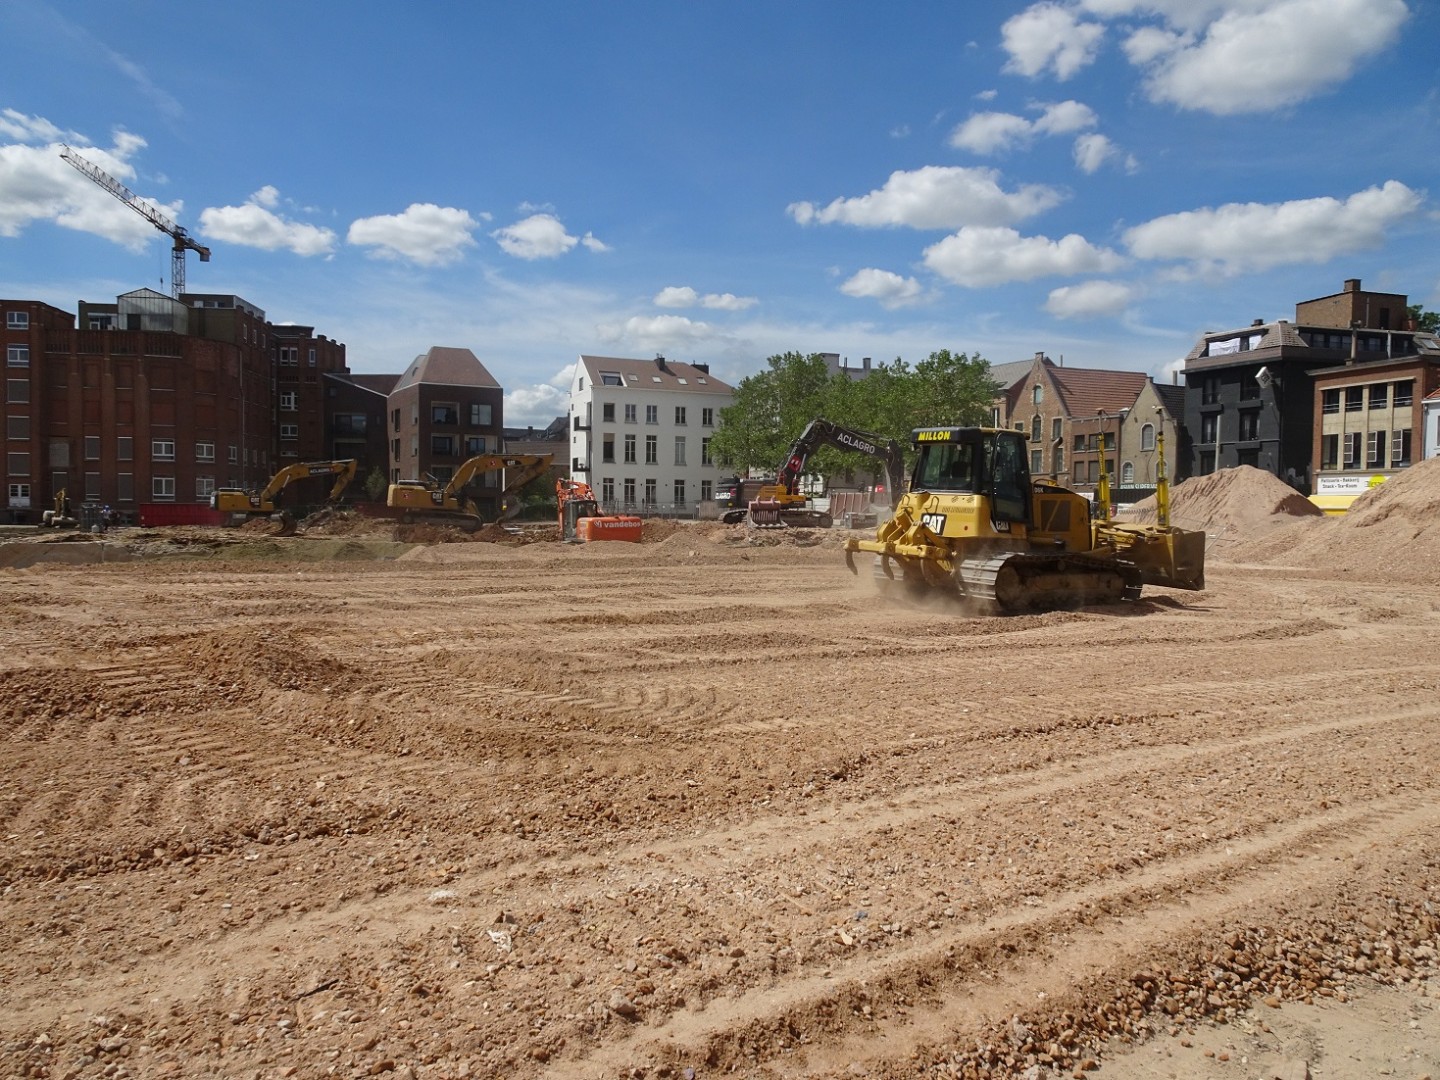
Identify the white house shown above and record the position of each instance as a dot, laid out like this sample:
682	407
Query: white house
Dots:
640	431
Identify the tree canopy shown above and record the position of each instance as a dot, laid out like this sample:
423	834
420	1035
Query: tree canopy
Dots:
1425	320
772	407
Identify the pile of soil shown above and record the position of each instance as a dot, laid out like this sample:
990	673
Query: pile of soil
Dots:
1243	499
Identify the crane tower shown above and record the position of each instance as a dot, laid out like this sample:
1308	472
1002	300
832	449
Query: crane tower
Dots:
183	241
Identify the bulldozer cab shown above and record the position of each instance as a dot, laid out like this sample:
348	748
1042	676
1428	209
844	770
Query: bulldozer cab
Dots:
976	461
574	510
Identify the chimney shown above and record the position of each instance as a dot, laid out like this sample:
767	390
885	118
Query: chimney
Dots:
865	363
704	369
1352	284
660	362
1257	322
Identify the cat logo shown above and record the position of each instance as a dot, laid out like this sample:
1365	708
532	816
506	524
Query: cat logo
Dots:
934	522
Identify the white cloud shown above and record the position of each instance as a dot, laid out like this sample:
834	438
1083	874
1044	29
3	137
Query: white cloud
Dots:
683	296
890	289
424	233
592	243
1088	300
933	197
30	129
1092	151
256	225
977	257
658	332
993	132
1243	237
1262	54
1048	37
539	404
539	236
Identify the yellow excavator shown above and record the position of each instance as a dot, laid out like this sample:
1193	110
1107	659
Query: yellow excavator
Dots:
242	505
431	503
975	524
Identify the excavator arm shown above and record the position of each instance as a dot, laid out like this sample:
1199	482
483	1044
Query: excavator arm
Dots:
345	468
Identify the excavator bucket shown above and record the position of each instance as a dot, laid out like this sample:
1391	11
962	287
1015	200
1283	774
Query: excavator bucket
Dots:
765	514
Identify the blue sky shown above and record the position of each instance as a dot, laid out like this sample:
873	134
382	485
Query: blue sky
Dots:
1102	180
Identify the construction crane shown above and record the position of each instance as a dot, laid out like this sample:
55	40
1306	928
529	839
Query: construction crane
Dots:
182	240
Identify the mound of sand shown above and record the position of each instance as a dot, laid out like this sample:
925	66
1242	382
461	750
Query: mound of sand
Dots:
1243	499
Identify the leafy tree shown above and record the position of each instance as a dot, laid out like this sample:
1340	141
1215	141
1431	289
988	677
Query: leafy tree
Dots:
376	485
1425	320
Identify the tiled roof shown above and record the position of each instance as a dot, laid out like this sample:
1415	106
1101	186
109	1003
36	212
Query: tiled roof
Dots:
1007	375
1087	391
657	374
447	367
1272	335
1172	397
376	384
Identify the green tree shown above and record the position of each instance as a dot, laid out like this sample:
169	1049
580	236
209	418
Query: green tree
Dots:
1425	320
770	408
376	485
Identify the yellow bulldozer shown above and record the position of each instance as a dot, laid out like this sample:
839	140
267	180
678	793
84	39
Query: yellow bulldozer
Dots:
975	524
242	505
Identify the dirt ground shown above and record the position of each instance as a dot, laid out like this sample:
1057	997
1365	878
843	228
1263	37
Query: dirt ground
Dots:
353	804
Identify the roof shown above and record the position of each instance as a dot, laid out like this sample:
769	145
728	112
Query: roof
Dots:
1087	391
1271	335
1172	397
1007	375
657	374
446	367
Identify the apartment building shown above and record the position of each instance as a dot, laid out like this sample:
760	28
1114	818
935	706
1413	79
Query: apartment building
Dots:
640	431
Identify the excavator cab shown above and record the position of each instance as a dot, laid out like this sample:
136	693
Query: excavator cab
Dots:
571	512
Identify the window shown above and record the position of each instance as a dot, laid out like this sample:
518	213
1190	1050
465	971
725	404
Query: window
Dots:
162	450
125	487
607	490
650	493
1351	442
1055	429
1057	460
480	415
349	423
1147	437
17	391
17	356
582	383
1079	444
679	493
204	451
1380	396
19	495
652	414
92	447
707	417
607	412
1036	464
1037	394
445	412
1210	390
1035	429
289	431
707	490
312	357
629	449
679	415
289	400
680	450
17	320
1354	398
204	485
1249	425
17	427
234	455
1404	394
1329	451
1376	443
1209	425
652	449
17	464
1400	447
610	378
474	445
629	414
162	487
705	458
1330	401
289	356
629	491
1127	473
607	450
442	445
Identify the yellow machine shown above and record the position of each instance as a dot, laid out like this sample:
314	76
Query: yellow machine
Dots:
975	524
429	502
240	503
